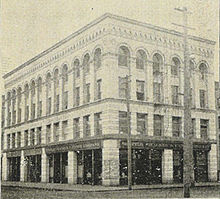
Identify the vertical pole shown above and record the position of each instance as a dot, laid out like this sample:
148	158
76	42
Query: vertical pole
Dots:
187	143
129	135
93	167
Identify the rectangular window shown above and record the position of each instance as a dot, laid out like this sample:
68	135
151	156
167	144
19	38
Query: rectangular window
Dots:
32	137
26	137
157	92
140	90
18	139
87	97
38	135
76	128
175	95
13	140
176	126
48	133
122	87
56	131
8	141
204	124
77	96
64	129
65	100
158	125
99	93
97	124
123	125
202	95
193	127
86	126
141	123
57	103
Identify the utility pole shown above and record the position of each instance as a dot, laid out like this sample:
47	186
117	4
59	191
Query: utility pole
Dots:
129	134
188	163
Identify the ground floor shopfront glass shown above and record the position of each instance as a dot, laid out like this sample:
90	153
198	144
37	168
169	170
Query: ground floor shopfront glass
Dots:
201	165
89	167
58	167
146	166
14	168
33	163
177	166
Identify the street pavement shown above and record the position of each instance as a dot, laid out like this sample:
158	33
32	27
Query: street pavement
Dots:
33	193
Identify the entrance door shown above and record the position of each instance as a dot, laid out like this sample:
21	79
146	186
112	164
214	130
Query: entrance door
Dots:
97	167
156	166
57	168
140	166
88	167
178	166
201	166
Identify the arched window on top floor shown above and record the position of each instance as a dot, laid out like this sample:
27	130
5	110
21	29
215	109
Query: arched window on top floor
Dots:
39	97
9	108
33	103
26	95
97	58
48	94
13	106
157	63
56	91
64	87
141	58
76	66
175	66
123	56
86	63
19	93
203	70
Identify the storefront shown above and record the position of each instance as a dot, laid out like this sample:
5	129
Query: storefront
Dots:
33	165
89	162
14	161
177	166
58	167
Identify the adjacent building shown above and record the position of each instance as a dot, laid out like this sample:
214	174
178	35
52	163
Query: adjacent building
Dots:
64	115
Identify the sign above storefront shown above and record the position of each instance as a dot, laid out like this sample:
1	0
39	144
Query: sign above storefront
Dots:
13	154
74	146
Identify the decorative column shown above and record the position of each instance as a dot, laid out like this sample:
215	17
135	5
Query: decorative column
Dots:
22	167
167	166
110	163
72	167
4	167
212	163
44	166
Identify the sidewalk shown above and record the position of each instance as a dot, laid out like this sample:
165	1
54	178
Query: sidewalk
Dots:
96	188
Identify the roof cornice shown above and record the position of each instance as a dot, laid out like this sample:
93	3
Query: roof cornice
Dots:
96	21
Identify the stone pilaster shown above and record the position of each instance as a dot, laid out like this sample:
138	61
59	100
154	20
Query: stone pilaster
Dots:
72	167
22	167
43	135
168	125
91	121
81	126
70	89
4	167
134	123
44	167
212	163
167	166
198	135
132	84
44	100
110	163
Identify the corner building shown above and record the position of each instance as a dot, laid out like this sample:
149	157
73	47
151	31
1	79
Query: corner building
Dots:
64	111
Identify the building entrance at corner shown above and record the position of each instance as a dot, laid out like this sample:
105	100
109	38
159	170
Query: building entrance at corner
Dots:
89	167
146	166
58	167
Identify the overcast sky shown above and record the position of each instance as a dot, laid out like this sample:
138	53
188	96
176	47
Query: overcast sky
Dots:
31	26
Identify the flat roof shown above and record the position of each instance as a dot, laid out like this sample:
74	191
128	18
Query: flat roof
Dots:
96	21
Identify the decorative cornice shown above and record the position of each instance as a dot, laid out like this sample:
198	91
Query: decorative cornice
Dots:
98	20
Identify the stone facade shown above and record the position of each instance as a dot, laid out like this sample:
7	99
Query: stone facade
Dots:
60	113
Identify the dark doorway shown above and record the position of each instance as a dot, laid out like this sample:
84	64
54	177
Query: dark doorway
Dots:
14	168
155	157
34	168
201	166
58	167
177	166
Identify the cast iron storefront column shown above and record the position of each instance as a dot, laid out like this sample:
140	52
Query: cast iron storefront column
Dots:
212	163
44	167
72	167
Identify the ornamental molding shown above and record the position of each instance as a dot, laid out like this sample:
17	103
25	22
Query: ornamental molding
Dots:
149	36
